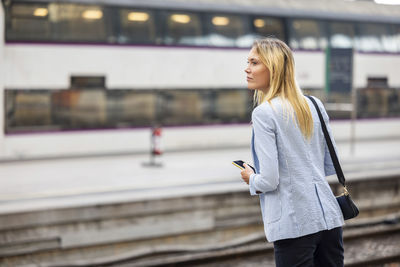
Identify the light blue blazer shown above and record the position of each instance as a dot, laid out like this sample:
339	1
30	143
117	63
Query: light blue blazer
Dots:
295	197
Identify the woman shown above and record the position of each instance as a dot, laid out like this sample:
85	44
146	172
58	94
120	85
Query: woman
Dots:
300	213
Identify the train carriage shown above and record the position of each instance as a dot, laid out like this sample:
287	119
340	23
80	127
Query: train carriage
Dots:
83	71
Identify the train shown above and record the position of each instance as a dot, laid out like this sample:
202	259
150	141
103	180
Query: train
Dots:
92	77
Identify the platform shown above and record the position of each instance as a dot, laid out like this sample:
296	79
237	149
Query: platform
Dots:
43	184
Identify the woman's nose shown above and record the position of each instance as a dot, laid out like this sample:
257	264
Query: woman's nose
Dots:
247	70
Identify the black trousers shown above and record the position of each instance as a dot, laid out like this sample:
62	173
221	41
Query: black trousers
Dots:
323	249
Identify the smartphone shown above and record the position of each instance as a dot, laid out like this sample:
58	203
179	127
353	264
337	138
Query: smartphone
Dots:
239	164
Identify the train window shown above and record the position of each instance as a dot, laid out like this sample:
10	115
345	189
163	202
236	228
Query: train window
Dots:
396	30
376	38
183	28
127	108
137	26
341	34
80	109
182	107
307	34
267	26
80	23
228	30
28	110
86	82
43	110
28	22
232	105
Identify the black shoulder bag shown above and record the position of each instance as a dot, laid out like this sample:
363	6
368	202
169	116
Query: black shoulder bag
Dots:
349	209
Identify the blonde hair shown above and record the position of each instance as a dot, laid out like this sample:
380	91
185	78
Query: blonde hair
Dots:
278	58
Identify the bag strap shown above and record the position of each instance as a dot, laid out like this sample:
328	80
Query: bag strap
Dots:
332	151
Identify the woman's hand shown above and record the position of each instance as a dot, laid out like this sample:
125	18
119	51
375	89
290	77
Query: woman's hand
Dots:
246	173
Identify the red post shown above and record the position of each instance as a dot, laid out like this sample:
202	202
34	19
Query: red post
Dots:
155	147
156	141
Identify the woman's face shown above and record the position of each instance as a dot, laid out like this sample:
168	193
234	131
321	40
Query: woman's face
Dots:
257	73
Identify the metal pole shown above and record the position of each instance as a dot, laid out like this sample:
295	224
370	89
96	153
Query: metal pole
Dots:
353	110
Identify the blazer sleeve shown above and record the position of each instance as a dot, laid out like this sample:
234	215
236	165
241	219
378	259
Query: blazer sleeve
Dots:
265	147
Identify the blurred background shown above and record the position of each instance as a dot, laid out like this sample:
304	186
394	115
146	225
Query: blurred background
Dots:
120	119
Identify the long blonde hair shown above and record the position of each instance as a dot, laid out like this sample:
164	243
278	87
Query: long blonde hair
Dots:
278	58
